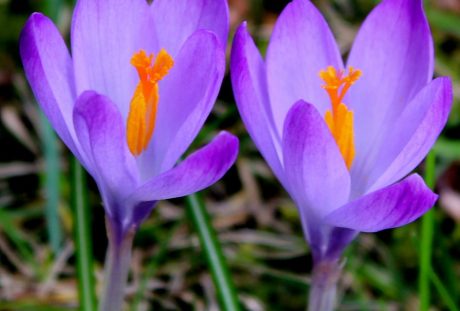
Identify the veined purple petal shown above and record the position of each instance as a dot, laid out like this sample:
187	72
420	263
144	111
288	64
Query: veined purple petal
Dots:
249	82
413	134
176	20
390	207
198	171
105	35
187	96
49	70
101	131
394	50
301	45
316	173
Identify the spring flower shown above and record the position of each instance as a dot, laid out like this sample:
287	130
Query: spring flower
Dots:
133	95
342	139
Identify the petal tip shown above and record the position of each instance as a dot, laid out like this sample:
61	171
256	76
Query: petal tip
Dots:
299	111
37	17
242	35
28	31
242	28
217	46
230	141
391	207
92	103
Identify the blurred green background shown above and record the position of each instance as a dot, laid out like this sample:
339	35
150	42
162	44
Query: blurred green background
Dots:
256	221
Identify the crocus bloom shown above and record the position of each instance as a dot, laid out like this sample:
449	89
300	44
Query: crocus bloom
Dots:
341	139
137	89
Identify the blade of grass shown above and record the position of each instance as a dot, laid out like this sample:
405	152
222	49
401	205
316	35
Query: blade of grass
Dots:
213	252
426	239
31	306
446	265
52	8
20	242
50	147
444	20
51	184
443	292
82	238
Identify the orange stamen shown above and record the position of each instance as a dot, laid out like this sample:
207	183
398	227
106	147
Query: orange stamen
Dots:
144	104
340	119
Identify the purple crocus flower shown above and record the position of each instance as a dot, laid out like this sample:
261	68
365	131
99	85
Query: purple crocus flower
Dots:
341	141
133	95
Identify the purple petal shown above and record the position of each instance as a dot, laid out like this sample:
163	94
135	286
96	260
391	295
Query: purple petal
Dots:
390	207
315	170
301	45
101	131
48	68
105	35
187	96
394	50
198	171
249	82
339	239
176	20
413	134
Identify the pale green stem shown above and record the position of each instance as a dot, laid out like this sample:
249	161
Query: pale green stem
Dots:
117	265
323	286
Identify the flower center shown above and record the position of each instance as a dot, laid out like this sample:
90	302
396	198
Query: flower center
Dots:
339	119
144	104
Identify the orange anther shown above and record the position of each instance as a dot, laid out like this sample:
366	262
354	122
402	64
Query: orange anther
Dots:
340	119
144	104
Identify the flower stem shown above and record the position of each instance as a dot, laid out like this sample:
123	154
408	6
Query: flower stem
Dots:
323	288
117	265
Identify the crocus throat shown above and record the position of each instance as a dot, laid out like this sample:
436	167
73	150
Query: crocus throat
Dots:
144	104
340	119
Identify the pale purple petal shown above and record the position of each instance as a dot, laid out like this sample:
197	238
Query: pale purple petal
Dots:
390	207
413	134
249	82
198	171
394	50
176	20
101	131
187	95
315	170
301	45
105	35
48	69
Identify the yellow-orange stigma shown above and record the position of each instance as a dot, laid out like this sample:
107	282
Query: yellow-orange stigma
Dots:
144	104
340	119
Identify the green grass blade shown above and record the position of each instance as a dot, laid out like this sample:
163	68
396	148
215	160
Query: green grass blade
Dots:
52	8
213	253
445	21
51	184
50	146
82	238
427	238
10	228
443	292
